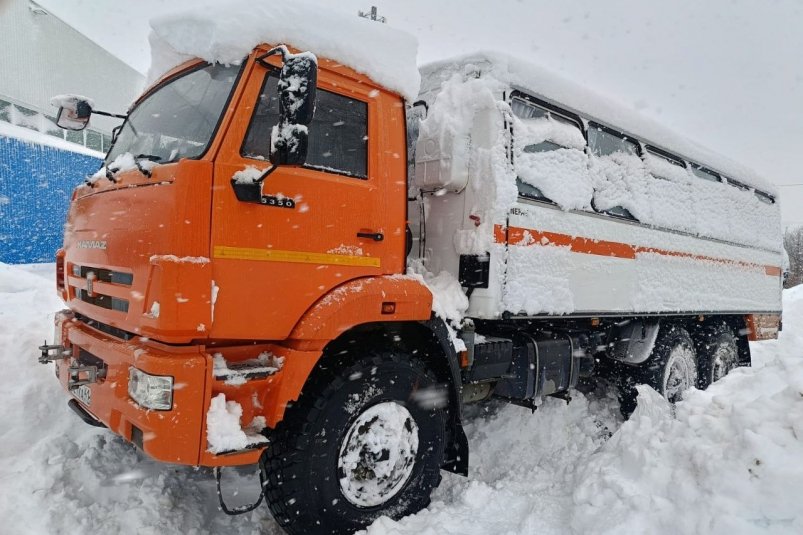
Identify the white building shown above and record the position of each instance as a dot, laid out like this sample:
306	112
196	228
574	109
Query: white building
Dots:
41	56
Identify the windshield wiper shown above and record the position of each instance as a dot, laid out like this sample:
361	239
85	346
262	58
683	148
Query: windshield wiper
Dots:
149	157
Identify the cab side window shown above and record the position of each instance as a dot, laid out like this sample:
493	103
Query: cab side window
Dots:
338	134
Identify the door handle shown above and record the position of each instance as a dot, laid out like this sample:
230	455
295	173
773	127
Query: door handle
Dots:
376	236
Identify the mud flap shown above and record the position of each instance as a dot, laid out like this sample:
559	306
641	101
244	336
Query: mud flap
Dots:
456	454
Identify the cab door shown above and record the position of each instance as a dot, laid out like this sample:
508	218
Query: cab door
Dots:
319	226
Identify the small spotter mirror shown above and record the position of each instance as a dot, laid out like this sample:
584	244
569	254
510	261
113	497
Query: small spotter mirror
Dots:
74	111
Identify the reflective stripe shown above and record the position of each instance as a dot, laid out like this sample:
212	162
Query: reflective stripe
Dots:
298	257
578	244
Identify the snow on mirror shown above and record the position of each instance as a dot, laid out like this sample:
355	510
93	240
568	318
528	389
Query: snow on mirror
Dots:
74	111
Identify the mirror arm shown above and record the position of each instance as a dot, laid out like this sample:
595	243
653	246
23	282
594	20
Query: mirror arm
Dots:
281	49
252	191
266	174
107	114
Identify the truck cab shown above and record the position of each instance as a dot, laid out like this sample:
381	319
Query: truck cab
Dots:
164	268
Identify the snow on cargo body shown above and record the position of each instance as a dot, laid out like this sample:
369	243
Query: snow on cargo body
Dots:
575	218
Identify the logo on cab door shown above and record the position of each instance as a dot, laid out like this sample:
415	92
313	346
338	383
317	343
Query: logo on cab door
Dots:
92	244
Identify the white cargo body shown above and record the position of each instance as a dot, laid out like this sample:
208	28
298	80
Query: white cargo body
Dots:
578	206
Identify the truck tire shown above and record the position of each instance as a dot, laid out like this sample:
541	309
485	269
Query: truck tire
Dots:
670	369
718	353
360	443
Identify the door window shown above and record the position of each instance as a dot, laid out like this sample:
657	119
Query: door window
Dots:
338	134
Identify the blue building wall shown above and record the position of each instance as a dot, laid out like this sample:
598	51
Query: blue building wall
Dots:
36	183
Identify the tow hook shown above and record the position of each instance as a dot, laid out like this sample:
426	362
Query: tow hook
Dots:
52	353
83	375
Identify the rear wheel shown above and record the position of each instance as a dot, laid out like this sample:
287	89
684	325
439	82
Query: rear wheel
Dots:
671	369
718	353
360	443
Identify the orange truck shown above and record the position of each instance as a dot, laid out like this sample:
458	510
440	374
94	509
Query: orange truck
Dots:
238	288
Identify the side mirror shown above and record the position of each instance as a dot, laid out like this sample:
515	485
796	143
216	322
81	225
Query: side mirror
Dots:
297	88
74	111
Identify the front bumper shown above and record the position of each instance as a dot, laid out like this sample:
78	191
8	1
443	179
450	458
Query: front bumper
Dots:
172	436
94	367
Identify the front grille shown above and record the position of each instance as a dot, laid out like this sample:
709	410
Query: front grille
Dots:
104	275
104	301
107	329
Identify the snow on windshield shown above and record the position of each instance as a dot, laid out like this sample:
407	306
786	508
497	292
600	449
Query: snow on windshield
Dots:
226	33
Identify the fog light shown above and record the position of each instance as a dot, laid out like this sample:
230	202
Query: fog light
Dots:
150	391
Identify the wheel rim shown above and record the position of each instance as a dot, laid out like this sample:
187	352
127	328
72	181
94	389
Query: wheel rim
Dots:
681	373
377	455
724	361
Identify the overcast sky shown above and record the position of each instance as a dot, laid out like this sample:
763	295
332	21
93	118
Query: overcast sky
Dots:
726	73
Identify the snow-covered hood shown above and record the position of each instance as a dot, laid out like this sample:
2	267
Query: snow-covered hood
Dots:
228	31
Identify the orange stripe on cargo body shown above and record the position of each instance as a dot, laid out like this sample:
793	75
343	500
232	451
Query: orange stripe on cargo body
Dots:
578	244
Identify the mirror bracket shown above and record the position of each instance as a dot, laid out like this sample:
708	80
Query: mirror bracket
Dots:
252	191
281	49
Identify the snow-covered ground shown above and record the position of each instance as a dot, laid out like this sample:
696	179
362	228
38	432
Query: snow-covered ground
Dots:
728	460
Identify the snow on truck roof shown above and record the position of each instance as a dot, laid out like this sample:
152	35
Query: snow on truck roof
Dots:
228	31
543	83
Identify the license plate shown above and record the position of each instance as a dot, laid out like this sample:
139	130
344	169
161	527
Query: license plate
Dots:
83	393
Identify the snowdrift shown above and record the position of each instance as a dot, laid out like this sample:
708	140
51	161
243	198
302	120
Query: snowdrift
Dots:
725	461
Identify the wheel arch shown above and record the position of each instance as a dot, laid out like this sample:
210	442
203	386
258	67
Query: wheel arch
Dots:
430	342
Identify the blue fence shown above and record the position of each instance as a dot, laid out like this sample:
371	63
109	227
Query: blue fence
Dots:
36	183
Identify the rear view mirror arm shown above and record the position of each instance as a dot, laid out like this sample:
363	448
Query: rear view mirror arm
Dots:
281	49
108	114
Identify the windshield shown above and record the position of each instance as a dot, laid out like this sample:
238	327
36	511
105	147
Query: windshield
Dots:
179	118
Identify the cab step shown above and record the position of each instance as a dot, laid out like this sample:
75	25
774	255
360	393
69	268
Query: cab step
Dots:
240	372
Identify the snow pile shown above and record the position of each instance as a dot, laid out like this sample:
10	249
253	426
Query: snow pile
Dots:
223	430
726	461
228	31
523	465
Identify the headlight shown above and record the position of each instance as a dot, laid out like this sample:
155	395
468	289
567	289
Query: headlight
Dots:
150	391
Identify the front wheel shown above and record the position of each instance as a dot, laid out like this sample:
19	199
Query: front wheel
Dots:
363	441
